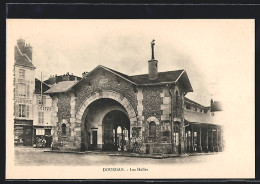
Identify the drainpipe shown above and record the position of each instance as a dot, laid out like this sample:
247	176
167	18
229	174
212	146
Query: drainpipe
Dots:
171	116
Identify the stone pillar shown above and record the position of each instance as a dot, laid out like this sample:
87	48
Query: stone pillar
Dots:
192	139
76	125
217	141
55	119
116	137
207	140
220	140
199	141
212	143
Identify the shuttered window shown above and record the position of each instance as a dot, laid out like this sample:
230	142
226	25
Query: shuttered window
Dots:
22	110
41	117
21	73
21	90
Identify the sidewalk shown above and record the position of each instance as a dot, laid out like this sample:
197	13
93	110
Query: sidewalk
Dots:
128	154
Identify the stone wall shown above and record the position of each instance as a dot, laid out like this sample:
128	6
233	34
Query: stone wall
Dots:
102	80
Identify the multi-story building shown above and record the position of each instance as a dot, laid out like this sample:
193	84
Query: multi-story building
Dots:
24	82
32	116
42	107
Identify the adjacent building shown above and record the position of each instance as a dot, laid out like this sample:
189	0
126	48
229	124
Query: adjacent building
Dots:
33	108
24	82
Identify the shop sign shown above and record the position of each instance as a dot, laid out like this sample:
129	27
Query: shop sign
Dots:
29	123
23	81
44	108
23	101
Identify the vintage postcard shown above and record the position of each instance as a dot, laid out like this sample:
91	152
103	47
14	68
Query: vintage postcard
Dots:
130	99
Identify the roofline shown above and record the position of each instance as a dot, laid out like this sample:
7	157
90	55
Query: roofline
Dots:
43	82
180	76
155	84
18	64
193	102
66	90
109	71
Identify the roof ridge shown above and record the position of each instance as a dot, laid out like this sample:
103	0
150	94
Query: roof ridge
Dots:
158	72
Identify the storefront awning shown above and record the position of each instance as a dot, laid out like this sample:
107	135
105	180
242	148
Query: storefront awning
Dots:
198	117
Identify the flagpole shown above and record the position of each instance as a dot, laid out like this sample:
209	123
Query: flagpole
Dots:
41	90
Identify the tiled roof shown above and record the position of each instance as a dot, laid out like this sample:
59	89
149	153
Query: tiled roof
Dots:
23	60
197	117
61	87
186	100
169	76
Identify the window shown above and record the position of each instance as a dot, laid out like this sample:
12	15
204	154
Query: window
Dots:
41	117
63	127
41	100
21	90
176	135
195	139
21	73
23	110
152	129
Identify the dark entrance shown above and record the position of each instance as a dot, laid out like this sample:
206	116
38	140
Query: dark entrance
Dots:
94	138
116	125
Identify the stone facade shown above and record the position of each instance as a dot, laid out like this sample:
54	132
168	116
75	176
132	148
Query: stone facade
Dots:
155	114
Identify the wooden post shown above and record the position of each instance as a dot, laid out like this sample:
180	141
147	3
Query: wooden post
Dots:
192	139
199	147
212	143
207	139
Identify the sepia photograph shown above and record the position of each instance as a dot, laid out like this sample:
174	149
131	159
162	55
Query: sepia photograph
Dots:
130	98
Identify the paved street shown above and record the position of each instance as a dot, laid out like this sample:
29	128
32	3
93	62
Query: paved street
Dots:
26	156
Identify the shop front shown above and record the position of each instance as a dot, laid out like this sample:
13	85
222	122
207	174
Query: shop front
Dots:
43	134
23	132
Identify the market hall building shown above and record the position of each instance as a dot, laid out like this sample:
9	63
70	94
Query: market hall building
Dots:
108	110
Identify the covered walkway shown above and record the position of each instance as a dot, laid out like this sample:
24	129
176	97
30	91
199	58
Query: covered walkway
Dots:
202	133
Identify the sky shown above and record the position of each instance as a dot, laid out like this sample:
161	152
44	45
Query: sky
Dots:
209	50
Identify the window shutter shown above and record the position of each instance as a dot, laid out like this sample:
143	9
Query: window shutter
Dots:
16	90
27	90
27	111
16	110
42	117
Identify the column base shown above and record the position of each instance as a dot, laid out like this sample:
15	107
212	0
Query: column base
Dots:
216	149
220	148
211	149
199	149
206	149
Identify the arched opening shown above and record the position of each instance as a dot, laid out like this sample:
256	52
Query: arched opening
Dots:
152	129
63	128
116	133
106	126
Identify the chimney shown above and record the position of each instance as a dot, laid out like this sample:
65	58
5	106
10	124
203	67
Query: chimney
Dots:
152	65
84	74
21	45
28	51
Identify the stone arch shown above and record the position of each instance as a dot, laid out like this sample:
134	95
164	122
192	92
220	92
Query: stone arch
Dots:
111	95
152	118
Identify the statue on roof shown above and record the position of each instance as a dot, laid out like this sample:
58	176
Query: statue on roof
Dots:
152	45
